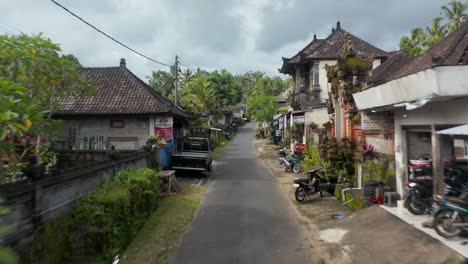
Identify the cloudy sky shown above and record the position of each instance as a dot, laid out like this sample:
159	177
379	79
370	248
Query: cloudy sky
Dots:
238	35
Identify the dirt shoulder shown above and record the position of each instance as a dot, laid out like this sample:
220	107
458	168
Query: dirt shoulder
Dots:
369	236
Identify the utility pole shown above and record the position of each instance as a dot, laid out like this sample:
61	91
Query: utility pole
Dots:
176	80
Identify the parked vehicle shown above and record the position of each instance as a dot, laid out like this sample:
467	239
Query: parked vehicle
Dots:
291	164
420	192
306	187
281	155
419	199
195	155
452	218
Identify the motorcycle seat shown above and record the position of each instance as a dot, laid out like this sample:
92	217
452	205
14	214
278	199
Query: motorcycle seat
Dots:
454	199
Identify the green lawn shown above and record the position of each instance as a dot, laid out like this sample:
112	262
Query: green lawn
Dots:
159	237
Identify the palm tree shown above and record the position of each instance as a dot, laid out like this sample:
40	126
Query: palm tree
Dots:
435	33
203	97
455	11
187	76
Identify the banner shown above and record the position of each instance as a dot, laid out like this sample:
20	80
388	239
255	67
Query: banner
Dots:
164	127
299	147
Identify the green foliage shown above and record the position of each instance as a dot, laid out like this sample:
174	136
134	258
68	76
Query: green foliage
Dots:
456	13
421	40
7	256
262	108
356	202
163	82
379	171
103	222
34	79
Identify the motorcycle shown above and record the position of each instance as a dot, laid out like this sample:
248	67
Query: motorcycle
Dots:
291	164
420	192
452	218
305	187
419	199
281	155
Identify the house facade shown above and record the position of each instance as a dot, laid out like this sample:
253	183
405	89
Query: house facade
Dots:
124	113
423	95
311	86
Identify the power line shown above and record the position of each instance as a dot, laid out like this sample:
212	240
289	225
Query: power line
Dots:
103	33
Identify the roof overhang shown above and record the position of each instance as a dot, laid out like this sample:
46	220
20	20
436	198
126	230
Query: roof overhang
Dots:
434	84
455	131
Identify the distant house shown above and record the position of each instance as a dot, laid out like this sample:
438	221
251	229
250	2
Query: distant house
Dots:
307	101
124	113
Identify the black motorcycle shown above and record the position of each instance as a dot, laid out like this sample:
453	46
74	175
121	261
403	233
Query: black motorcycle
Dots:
420	192
419	199
305	187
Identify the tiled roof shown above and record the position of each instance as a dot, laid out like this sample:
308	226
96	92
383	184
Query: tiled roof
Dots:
118	91
331	47
448	52
387	70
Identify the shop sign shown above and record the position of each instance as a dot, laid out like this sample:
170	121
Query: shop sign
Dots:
164	127
299	147
299	119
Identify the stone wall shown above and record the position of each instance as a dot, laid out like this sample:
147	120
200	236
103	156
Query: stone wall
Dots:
36	203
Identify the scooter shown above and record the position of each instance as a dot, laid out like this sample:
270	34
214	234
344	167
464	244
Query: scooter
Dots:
291	164
305	187
281	155
452	218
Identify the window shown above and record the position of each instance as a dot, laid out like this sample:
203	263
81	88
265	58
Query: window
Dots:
117	123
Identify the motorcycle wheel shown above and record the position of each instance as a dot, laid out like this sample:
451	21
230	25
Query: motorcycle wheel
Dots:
443	224
300	194
414	207
297	168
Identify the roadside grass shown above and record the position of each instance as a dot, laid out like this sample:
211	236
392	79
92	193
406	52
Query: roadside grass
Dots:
159	237
220	148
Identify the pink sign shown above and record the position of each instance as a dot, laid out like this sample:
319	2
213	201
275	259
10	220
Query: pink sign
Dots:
164	127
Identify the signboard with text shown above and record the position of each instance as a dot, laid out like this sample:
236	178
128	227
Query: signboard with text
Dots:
299	119
164	127
299	147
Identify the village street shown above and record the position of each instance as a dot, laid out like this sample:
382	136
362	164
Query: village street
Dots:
245	217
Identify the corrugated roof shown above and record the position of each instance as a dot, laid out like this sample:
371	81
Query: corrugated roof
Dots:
455	131
118	91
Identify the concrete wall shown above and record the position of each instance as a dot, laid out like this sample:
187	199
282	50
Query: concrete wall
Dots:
439	81
132	136
53	196
318	116
381	143
323	77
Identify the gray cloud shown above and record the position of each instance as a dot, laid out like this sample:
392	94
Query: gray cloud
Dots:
239	35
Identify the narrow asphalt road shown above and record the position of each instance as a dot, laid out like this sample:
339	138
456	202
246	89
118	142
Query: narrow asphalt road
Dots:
244	217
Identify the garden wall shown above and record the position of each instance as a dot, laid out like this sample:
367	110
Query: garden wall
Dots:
34	204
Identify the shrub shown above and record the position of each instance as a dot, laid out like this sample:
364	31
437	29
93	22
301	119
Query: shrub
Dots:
102	223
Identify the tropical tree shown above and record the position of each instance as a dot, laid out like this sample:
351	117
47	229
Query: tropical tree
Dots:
200	97
413	45
187	76
456	13
35	79
163	82
435	33
262	108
